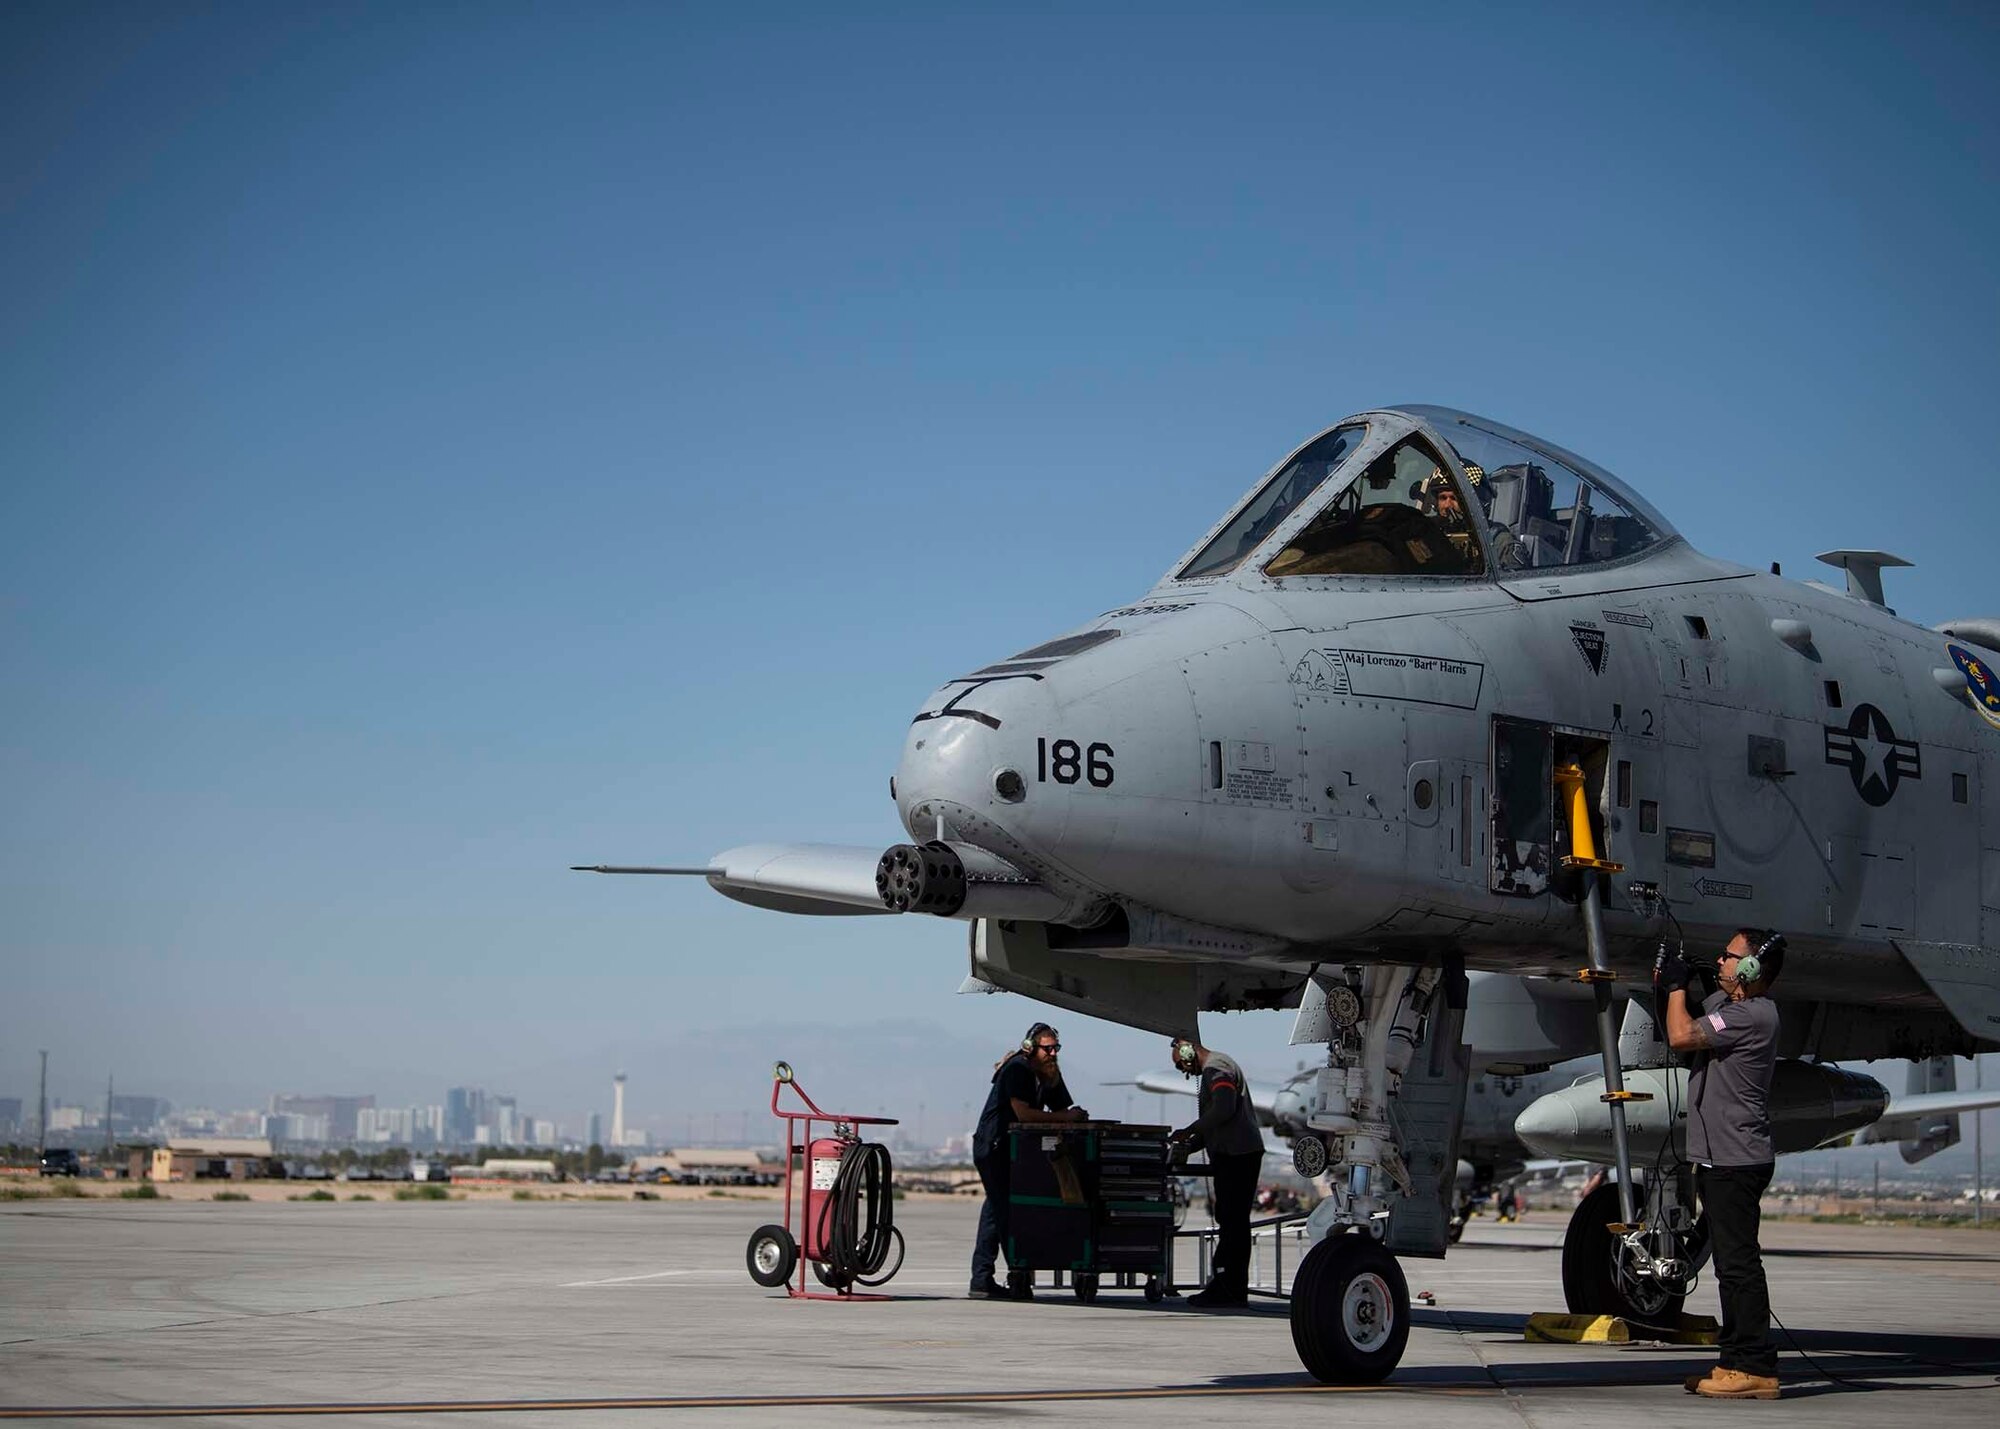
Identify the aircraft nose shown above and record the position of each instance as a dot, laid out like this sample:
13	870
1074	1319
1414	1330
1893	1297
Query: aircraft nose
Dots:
968	759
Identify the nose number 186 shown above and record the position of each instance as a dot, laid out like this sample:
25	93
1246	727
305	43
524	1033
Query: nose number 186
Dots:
1066	761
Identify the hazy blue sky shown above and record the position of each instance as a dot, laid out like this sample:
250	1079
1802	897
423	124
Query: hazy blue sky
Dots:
443	443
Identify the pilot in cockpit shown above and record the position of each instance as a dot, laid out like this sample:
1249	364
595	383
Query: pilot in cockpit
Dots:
1437	497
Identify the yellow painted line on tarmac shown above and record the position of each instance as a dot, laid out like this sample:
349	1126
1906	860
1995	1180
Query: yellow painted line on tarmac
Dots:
942	1398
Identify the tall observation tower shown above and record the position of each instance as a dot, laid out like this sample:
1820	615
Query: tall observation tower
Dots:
618	1110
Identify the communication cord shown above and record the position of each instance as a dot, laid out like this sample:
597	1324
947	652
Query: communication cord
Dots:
857	1218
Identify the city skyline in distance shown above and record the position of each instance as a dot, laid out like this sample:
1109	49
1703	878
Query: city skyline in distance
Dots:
931	1120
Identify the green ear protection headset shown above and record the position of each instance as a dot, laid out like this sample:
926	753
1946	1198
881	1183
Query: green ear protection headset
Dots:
1750	967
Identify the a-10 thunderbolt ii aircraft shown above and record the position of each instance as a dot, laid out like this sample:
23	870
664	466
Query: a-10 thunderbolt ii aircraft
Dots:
1434	695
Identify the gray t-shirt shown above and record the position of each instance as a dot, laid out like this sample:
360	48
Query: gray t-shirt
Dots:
1227	1124
1728	1115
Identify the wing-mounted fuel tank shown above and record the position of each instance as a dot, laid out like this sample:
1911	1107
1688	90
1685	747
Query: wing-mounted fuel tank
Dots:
1811	1103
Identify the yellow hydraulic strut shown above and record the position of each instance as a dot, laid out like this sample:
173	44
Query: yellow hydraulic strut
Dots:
1582	840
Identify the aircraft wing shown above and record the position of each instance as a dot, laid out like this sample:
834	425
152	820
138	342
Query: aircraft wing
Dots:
1166	1084
1905	1115
831	880
1173	1084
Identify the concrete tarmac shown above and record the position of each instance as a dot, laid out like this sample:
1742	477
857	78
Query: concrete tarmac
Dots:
573	1313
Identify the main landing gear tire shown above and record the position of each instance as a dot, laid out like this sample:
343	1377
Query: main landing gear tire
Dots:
772	1255
1592	1281
1085	1286
1350	1311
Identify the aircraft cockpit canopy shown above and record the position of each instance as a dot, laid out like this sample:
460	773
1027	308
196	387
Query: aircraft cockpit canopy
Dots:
1283	494
1454	496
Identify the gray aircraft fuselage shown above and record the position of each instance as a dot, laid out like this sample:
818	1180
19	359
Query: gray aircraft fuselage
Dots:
1271	771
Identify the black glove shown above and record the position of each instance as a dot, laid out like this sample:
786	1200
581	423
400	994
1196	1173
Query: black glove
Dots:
1670	969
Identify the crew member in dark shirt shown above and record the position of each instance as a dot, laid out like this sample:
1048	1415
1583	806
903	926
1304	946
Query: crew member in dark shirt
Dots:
1027	1086
1226	1126
1734	1037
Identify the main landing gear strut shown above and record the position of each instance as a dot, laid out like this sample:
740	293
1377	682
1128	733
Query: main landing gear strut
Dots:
1350	1304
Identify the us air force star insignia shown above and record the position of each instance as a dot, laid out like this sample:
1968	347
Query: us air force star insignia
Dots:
1872	755
1590	640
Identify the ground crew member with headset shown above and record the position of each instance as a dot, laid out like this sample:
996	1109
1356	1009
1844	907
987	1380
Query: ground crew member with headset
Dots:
1027	1086
1227	1126
1734	1038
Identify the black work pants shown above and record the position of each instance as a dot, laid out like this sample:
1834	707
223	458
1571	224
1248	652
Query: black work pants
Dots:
1231	1189
992	1216
1730	1197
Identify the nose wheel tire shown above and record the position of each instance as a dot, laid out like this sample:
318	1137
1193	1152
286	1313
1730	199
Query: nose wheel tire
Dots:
1350	1311
1595	1281
772	1255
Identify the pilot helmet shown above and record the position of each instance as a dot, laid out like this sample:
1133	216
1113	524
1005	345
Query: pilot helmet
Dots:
1430	486
1433	488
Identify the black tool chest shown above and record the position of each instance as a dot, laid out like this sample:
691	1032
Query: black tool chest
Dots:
1090	1199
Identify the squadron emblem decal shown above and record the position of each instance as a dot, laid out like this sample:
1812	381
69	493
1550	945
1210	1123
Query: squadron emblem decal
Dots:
1980	685
1590	640
1874	758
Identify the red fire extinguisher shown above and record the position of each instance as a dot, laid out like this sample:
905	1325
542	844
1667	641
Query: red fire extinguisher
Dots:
822	1173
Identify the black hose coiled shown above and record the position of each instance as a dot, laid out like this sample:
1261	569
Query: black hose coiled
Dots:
857	1222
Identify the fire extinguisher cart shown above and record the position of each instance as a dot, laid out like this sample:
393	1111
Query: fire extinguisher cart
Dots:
832	1180
1090	1199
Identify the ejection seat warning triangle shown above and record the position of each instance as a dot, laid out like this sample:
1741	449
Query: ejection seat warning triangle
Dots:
1590	640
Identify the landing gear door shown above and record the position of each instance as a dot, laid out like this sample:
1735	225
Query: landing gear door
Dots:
1521	823
1429	1113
